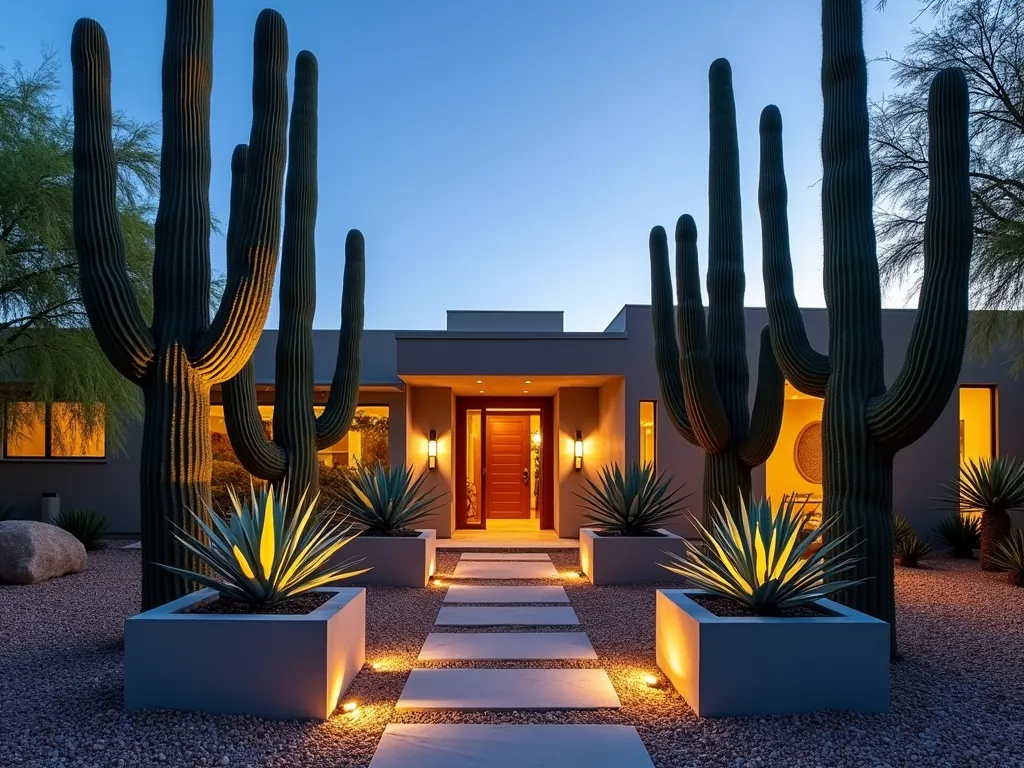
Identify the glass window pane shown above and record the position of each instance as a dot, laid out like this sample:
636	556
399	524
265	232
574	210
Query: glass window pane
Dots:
976	423
473	465
75	433
26	430
648	433
365	444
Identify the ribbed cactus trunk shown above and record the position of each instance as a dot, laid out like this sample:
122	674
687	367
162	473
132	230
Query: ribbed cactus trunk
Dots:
289	461
864	425
182	354
705	388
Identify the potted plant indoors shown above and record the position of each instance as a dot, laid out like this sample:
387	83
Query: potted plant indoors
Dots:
743	643
387	504
627	539
268	636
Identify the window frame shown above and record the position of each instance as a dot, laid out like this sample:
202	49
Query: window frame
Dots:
654	432
48	456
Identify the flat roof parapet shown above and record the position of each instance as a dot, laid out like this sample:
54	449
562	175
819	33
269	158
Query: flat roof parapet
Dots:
501	320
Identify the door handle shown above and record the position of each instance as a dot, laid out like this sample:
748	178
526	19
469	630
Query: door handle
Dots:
526	476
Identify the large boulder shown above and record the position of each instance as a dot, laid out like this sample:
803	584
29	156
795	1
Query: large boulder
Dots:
31	552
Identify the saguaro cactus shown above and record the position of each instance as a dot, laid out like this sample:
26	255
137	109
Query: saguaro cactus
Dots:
705	389
864	424
177	358
291	459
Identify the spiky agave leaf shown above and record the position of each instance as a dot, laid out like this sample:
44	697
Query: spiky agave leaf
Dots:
1009	556
960	534
632	503
989	486
901	528
760	557
262	555
387	499
909	548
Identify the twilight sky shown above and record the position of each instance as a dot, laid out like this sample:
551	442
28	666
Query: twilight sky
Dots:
505	155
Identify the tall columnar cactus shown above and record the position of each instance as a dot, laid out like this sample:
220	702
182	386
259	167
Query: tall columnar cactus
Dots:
705	389
291	458
177	358
864	424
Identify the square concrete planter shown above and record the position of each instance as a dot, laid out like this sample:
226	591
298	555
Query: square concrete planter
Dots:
396	561
628	559
726	666
272	666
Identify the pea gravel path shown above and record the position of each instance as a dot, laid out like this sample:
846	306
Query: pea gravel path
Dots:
958	699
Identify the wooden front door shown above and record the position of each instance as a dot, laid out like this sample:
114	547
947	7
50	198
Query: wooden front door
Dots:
508	466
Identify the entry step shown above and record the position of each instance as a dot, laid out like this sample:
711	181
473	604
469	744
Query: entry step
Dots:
471	593
506	616
481	569
506	556
510	746
512	646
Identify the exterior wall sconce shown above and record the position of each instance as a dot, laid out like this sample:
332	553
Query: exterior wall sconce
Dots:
578	450
432	450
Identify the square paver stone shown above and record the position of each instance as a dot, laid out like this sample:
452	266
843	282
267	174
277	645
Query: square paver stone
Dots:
507	689
506	646
481	569
506	556
506	616
473	593
510	746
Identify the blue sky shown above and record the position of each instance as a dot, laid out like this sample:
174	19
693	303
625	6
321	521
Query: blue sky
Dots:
505	155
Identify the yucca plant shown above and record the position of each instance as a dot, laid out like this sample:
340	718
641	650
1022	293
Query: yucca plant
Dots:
1009	556
909	548
960	534
759	559
387	501
263	556
901	528
86	525
636	502
993	487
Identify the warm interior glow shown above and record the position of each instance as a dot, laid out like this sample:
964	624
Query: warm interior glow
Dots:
648	436
68	436
976	413
782	478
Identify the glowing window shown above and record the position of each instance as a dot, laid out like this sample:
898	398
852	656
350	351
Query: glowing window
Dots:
648	433
60	430
977	423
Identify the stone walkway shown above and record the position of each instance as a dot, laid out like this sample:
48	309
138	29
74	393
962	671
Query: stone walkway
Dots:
547	689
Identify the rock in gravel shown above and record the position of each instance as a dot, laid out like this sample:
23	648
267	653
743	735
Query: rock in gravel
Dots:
31	552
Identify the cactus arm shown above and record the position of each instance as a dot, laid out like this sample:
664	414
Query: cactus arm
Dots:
769	400
113	308
231	338
258	455
666	345
726	281
932	365
807	369
334	422
703	404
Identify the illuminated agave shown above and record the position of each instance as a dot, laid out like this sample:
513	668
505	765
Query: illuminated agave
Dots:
764	561
264	556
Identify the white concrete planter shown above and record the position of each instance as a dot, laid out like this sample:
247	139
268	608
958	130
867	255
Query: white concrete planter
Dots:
628	559
727	666
396	561
272	666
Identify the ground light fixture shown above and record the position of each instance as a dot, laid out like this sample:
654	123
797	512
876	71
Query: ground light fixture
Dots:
350	706
432	450
578	450
571	575
437	582
652	681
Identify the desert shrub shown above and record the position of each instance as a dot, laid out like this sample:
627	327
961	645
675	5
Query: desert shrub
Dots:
960	534
1009	557
86	525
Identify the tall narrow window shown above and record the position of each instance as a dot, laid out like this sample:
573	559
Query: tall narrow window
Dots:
977	423
648	433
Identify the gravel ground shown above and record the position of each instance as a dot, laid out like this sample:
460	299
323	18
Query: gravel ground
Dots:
957	698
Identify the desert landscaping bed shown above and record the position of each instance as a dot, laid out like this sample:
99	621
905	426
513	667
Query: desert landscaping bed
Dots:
957	698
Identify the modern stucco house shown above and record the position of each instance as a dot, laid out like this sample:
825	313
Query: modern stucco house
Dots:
505	395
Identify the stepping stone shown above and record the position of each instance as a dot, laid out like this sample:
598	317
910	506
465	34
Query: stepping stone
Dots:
504	570
133	545
506	556
507	689
511	646
469	593
510	746
506	616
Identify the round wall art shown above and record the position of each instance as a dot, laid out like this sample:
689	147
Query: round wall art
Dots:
807	452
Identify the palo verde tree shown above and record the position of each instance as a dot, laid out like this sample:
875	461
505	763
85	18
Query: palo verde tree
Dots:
705	389
45	342
864	424
182	353
985	39
290	459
